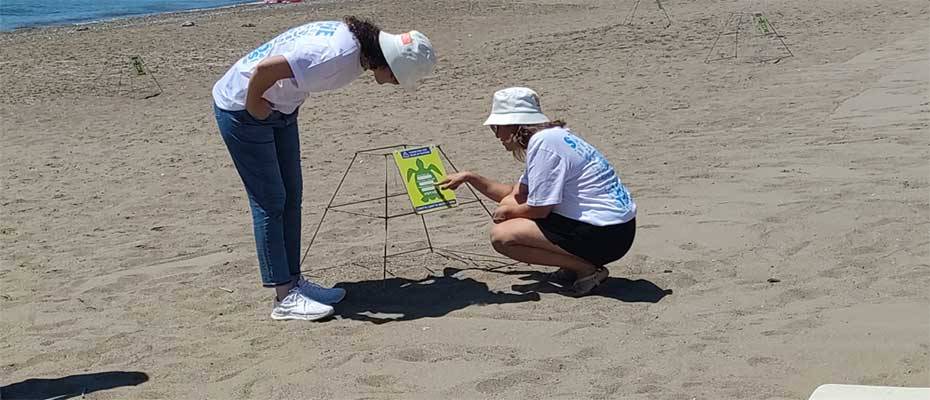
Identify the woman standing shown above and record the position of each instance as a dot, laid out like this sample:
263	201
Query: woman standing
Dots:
256	104
569	210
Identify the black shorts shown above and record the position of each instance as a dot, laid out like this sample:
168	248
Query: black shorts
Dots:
598	245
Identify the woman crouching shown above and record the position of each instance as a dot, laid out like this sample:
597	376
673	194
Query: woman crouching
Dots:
569	209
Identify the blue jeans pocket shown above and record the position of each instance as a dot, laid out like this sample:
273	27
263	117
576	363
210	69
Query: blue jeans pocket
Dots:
240	127
253	119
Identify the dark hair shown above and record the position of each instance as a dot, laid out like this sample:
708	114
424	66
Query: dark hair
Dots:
524	132
367	35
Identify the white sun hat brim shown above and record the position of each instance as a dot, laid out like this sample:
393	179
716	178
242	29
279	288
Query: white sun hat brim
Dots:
516	119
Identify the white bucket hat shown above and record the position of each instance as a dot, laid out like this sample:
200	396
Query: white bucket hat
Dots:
516	106
410	56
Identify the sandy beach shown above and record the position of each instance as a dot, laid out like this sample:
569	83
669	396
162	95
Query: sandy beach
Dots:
782	183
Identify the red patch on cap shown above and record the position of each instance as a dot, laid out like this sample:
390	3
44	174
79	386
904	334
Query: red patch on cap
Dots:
405	39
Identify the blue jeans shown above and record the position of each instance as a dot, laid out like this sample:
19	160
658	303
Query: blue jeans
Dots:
267	155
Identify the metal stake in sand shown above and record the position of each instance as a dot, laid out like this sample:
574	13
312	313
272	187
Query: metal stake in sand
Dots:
137	70
629	18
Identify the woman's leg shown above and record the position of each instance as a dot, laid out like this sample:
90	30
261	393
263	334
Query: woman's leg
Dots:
252	147
287	145
521	240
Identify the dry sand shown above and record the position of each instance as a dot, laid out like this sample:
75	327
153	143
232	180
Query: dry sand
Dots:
122	217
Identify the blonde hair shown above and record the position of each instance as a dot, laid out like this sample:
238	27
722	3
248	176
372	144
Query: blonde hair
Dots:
524	132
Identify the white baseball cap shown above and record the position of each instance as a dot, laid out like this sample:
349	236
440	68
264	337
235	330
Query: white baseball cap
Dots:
516	106
410	56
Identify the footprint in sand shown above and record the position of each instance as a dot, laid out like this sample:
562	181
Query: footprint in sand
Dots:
413	354
758	360
378	381
501	384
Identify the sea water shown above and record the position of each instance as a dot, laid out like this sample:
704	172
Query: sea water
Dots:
30	13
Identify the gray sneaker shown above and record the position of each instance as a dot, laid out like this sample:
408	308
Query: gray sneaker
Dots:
319	293
562	275
585	285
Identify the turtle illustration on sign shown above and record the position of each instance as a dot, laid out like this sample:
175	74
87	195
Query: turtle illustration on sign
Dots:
425	180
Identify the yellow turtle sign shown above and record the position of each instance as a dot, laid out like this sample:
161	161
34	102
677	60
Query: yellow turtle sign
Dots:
421	169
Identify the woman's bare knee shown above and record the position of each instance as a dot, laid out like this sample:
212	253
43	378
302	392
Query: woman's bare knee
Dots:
508	201
504	236
500	237
512	200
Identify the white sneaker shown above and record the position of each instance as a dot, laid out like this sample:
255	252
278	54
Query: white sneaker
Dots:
298	306
319	293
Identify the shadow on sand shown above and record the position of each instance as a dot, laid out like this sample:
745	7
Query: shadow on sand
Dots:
71	386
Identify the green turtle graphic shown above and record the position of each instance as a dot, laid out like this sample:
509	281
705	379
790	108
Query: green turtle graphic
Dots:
425	180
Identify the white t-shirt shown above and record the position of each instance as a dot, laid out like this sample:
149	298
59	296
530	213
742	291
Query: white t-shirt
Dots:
565	171
323	56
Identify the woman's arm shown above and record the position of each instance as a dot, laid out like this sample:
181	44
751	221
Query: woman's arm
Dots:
517	196
490	188
506	212
267	72
511	197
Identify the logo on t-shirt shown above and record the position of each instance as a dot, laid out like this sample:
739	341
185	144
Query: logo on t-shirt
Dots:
259	53
614	188
325	28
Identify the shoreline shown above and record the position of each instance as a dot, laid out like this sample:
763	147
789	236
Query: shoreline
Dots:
111	22
142	20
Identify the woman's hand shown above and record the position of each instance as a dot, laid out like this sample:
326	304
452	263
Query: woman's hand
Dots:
455	180
266	73
502	214
259	109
